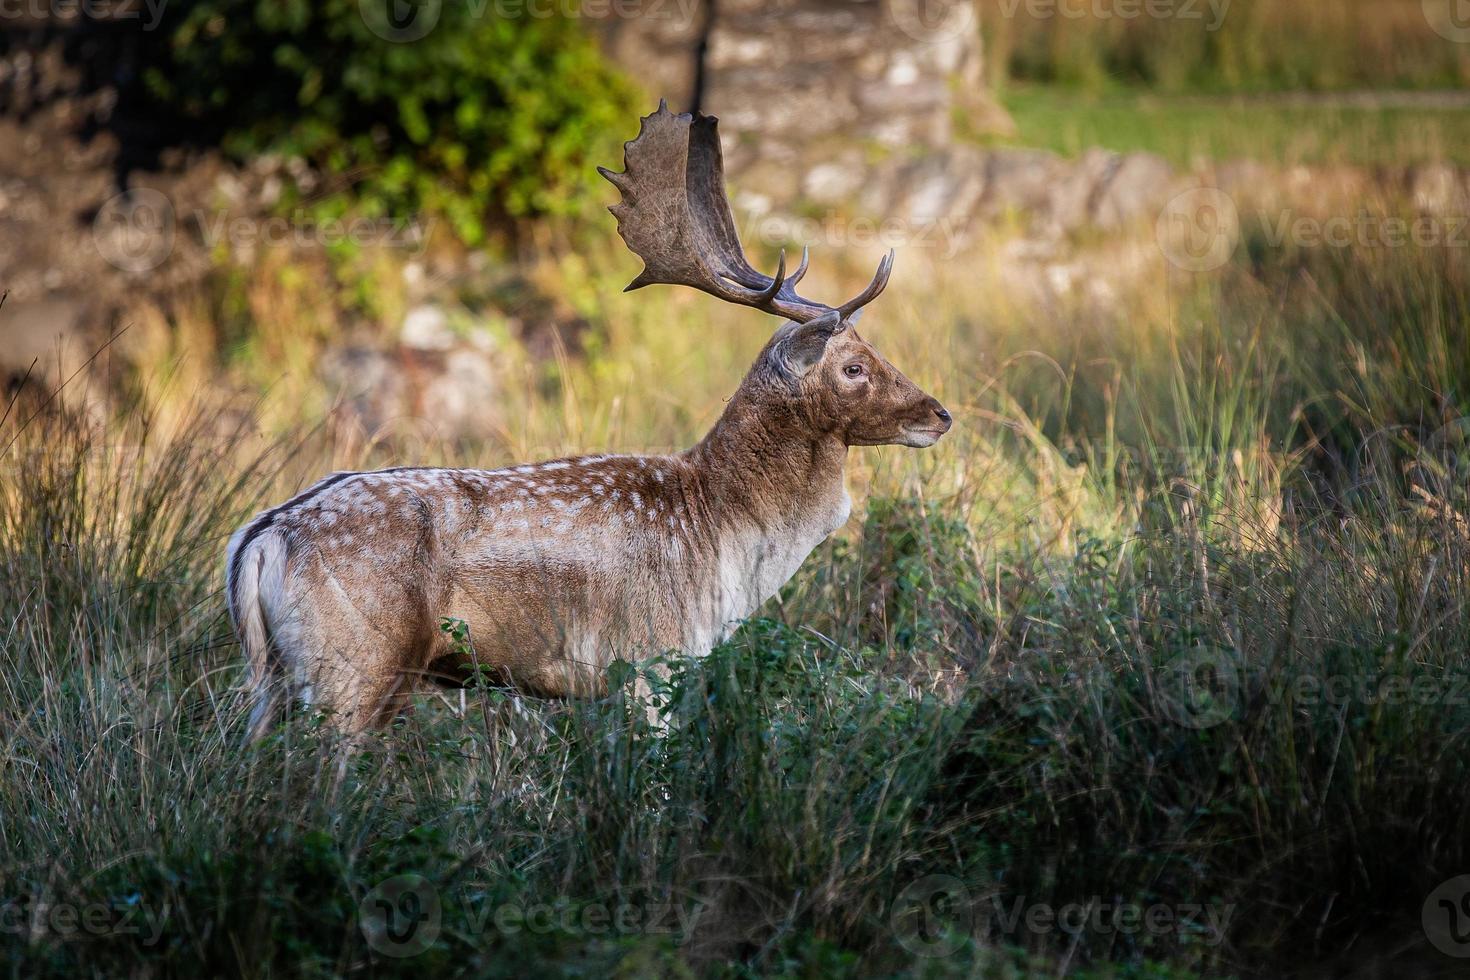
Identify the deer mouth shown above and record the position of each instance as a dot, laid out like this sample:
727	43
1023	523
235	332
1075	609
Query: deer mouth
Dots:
922	438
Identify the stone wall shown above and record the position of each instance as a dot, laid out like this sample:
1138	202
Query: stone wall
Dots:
820	101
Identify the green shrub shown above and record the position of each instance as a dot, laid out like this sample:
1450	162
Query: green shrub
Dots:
483	117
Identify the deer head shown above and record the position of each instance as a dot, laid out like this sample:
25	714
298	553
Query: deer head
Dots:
816	372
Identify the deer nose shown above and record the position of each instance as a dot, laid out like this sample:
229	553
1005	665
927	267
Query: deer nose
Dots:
943	415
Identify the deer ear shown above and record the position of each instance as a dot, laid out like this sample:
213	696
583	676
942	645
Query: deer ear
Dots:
802	344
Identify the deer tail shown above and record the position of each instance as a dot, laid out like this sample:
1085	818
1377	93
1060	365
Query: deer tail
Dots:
255	582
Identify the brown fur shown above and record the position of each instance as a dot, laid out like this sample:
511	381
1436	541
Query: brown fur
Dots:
561	567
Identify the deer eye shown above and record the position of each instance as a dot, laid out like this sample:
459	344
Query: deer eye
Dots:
854	370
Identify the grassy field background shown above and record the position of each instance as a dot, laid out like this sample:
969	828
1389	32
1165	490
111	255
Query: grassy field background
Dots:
1174	619
1373	130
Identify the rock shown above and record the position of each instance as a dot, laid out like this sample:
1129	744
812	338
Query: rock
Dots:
1438	189
1071	198
370	387
460	395
1020	180
1139	189
942	190
48	332
835	181
426	327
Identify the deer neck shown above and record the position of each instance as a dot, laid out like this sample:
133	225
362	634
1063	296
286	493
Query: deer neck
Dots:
768	473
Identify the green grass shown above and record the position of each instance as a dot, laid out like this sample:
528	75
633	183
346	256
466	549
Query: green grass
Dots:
1217	46
1175	620
1188	129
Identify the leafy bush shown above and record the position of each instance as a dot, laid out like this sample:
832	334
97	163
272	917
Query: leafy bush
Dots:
482	117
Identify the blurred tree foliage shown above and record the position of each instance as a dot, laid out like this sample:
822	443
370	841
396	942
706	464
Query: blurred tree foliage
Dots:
445	108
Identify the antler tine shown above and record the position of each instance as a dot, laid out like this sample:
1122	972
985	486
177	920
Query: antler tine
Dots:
774	289
880	281
806	254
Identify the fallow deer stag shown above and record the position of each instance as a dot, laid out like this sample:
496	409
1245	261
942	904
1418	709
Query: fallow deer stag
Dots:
560	567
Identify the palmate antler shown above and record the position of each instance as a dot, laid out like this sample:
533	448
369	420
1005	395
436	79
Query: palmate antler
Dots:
675	217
